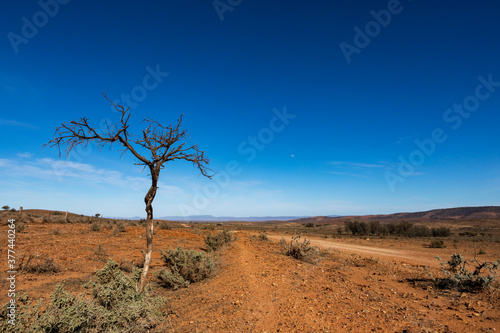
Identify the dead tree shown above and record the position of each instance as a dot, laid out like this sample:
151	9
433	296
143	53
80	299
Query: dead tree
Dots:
153	148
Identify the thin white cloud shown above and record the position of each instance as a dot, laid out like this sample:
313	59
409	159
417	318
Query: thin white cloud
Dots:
411	174
48	169
400	140
15	123
356	164
25	155
347	174
6	162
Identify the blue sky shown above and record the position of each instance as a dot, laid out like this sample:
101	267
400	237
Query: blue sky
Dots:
304	108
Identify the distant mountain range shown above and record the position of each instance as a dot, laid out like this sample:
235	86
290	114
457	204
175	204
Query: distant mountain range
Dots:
210	218
460	213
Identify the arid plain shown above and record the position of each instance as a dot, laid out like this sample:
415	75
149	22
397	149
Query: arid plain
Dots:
358	284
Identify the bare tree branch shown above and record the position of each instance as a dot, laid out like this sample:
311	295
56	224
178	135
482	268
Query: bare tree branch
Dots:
161	143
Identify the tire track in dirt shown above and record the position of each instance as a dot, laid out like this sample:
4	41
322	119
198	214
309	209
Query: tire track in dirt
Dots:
239	299
253	269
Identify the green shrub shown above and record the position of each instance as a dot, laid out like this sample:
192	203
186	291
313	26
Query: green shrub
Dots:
402	228
185	267
468	233
214	242
114	306
441	232
309	225
301	251
458	275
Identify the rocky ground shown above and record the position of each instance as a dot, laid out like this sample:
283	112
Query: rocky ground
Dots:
361	286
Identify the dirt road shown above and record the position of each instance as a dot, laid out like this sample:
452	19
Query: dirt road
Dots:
418	258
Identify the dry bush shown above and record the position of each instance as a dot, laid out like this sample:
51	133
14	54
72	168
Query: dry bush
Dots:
215	242
437	244
95	226
467	275
302	250
119	228
129	265
27	218
19	226
185	267
263	237
101	254
163	225
114	306
37	264
59	219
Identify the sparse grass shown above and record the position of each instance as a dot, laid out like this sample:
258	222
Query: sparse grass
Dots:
114	306
119	228
184	267
215	242
27	218
19	226
101	253
163	225
95	226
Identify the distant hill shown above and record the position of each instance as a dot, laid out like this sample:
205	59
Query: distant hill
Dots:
210	218
460	213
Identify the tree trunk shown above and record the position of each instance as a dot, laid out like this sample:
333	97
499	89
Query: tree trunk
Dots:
148	199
